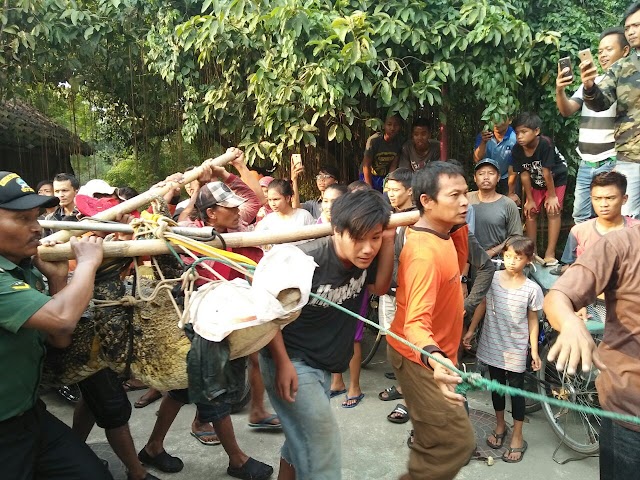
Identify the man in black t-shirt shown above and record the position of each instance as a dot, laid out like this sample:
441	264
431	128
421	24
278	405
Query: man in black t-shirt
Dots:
543	173
298	363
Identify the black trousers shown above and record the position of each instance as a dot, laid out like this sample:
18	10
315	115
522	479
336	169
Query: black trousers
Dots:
36	445
517	402
619	448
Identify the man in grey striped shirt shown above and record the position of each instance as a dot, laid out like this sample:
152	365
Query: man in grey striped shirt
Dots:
596	143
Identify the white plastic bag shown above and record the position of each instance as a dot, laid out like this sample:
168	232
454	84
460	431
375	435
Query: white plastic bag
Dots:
250	315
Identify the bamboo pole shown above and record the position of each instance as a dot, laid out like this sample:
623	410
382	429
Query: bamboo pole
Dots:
113	227
146	197
138	248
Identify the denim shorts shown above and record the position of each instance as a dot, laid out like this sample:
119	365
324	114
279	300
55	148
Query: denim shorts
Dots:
312	436
207	412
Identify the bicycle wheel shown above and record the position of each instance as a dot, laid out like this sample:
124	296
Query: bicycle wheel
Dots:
531	385
371	337
579	431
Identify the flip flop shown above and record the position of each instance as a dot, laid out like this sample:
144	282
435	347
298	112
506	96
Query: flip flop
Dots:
265	423
539	260
140	403
551	263
356	400
390	393
390	375
335	393
510	450
410	440
557	270
401	414
499	438
129	387
200	437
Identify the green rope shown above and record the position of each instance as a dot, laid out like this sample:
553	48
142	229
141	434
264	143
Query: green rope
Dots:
470	381
475	381
173	251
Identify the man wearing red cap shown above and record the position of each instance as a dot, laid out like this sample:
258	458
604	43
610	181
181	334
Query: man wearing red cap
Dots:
33	443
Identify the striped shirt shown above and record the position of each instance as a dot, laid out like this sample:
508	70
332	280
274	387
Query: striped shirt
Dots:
596	141
505	333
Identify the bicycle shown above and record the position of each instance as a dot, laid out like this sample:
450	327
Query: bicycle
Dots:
578	431
371	336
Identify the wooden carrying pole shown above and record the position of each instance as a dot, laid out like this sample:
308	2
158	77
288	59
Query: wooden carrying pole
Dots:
139	248
112	227
144	198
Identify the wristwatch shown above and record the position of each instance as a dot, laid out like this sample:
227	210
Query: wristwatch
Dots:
464	279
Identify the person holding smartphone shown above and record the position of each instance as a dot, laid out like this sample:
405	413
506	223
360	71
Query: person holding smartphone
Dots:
596	142
497	145
621	85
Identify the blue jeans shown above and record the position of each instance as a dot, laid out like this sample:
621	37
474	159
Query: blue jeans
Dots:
312	436
582	208
632	171
619	448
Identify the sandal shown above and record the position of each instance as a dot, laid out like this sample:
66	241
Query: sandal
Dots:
200	436
145	400
390	393
557	270
499	439
410	440
400	414
352	402
335	393
251	470
133	385
505	455
271	422
163	461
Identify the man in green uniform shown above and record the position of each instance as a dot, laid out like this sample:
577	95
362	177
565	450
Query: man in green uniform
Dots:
33	443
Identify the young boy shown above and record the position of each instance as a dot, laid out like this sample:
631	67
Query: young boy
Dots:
298	362
381	152
399	190
608	195
420	149
543	173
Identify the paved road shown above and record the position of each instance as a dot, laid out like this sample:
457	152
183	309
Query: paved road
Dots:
373	448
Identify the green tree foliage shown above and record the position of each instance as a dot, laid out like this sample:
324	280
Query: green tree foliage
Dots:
277	75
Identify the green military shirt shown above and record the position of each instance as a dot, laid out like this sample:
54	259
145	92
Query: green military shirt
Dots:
22	350
621	83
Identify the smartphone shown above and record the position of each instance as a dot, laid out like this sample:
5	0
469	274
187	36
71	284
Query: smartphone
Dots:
585	56
296	160
565	62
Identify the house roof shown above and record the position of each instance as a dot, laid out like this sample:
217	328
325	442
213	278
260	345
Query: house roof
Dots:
22	126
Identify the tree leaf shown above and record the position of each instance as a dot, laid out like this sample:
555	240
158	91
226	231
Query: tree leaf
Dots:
385	92
331	134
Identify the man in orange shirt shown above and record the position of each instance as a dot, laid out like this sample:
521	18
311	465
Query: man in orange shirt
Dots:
429	315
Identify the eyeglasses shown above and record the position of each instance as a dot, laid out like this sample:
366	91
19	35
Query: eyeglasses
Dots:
324	177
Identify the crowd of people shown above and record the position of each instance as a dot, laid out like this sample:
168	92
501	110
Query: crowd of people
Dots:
435	280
